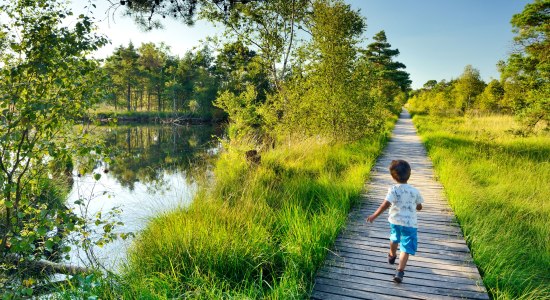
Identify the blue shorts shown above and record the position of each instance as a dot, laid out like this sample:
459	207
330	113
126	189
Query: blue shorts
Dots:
405	236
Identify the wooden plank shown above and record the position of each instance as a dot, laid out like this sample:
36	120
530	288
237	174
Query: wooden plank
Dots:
373	232
407	288
357	259
365	293
384	246
426	244
372	268
360	223
318	295
453	257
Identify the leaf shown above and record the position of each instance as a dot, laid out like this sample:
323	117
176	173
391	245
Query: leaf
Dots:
42	231
97	176
49	245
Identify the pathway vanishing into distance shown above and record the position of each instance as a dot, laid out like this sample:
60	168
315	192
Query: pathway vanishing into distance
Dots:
357	267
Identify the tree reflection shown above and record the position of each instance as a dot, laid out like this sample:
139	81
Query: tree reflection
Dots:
145	153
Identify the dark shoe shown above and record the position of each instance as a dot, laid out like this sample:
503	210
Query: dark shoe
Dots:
391	259
399	276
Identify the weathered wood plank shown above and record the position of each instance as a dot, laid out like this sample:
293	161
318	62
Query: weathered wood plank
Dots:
342	259
408	288
386	272
428	244
318	295
357	268
452	257
366	293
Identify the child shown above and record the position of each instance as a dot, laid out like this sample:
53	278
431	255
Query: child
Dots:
403	200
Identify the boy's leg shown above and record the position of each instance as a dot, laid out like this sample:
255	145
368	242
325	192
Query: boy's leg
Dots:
395	236
403	258
393	248
408	245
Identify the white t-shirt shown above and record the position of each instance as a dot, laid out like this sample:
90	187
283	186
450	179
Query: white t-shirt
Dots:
403	199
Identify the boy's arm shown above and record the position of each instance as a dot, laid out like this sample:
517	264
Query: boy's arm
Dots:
419	200
380	210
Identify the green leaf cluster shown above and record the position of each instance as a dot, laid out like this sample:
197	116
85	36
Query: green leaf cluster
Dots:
47	83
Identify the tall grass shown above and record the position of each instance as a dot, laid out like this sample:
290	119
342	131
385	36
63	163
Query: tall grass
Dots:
258	231
499	187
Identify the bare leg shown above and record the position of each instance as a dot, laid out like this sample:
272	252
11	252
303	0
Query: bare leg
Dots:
403	258
393	248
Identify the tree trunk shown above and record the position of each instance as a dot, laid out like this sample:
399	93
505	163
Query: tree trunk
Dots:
129	104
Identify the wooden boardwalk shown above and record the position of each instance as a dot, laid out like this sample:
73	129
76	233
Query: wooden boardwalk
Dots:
357	267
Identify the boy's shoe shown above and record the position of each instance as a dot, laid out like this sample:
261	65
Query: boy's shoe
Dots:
399	276
391	259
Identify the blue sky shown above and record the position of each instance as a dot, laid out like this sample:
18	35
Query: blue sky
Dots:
436	38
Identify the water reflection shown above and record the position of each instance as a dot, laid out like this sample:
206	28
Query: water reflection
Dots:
151	169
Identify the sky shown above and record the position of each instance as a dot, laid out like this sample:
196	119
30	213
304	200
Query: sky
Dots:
436	38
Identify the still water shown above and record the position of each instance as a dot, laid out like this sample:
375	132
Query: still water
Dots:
152	169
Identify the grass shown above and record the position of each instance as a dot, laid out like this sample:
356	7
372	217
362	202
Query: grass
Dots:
106	112
258	231
499	187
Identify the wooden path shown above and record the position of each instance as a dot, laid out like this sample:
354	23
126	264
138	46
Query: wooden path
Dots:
357	267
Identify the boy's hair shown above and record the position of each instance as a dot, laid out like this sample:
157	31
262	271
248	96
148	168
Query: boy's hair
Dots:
400	170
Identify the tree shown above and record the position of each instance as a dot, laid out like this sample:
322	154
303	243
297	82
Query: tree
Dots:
46	84
382	56
491	98
526	74
325	93
468	86
269	26
390	82
122	67
152	63
430	84
237	66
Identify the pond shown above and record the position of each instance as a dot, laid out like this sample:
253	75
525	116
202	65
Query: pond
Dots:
152	169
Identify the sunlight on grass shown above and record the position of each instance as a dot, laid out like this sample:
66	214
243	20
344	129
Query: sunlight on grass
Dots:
498	186
259	231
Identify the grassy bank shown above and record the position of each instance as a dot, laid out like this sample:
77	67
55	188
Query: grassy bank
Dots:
499	187
260	231
109	113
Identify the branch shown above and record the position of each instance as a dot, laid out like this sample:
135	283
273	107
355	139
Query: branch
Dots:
291	38
45	266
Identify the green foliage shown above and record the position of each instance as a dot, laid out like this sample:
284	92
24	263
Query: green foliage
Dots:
382	57
269	26
150	79
526	73
122	69
322	97
492	97
435	98
467	87
46	82
242	109
497	185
